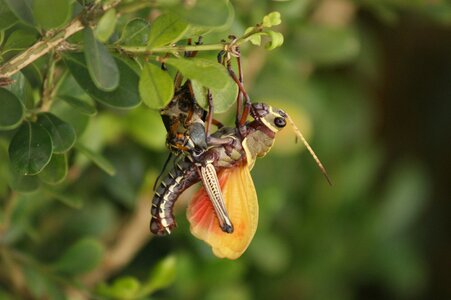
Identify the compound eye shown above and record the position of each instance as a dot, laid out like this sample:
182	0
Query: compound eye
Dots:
280	122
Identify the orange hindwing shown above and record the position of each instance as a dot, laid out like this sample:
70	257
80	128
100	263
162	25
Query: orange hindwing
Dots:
241	203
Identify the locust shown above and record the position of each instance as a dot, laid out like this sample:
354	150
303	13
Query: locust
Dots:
224	212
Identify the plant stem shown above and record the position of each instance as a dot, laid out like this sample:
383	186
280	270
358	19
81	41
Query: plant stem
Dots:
39	49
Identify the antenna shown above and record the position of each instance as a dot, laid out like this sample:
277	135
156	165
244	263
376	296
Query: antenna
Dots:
318	162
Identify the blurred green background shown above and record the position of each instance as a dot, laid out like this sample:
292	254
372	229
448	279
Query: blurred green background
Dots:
369	83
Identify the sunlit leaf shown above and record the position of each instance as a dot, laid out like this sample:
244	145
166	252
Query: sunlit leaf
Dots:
162	275
137	124
101	65
106	25
223	98
12	111
271	19
276	40
30	149
122	288
60	12
207	72
166	29
135	33
155	86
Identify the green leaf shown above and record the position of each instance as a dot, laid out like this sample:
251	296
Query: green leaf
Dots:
56	170
81	257
22	89
12	110
207	72
155	86
271	19
137	124
166	29
71	200
83	106
7	18
23	183
125	96
223	98
69	115
325	45
135	33
22	9
122	288
51	13
101	65
207	13
19	40
98	159
276	40
162	275
30	149
106	25
62	133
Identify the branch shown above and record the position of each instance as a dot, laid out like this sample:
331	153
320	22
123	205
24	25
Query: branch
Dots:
39	49
44	46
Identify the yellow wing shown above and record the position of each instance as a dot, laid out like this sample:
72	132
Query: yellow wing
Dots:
242	206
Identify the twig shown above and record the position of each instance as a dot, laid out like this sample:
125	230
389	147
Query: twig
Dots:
39	49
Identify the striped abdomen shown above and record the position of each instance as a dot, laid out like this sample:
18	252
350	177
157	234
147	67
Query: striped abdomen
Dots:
181	177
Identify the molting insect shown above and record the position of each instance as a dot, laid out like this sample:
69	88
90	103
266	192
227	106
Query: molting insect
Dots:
224	212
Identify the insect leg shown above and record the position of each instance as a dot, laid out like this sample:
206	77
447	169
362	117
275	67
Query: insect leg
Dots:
162	170
211	184
210	112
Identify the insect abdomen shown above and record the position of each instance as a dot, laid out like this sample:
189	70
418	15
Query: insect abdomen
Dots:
182	176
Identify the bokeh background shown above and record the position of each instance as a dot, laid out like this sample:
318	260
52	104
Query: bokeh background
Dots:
369	84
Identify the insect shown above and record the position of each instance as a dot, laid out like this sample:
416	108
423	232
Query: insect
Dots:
232	162
187	137
224	212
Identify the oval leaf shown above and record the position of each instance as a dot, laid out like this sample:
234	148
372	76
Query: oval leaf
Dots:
223	98
105	26
207	13
82	106
101	65
98	159
135	33
207	72
12	111
60	11
166	29
125	96
81	257
30	149
162	275
62	133
23	183
22	9
56	170
7	18
155	86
